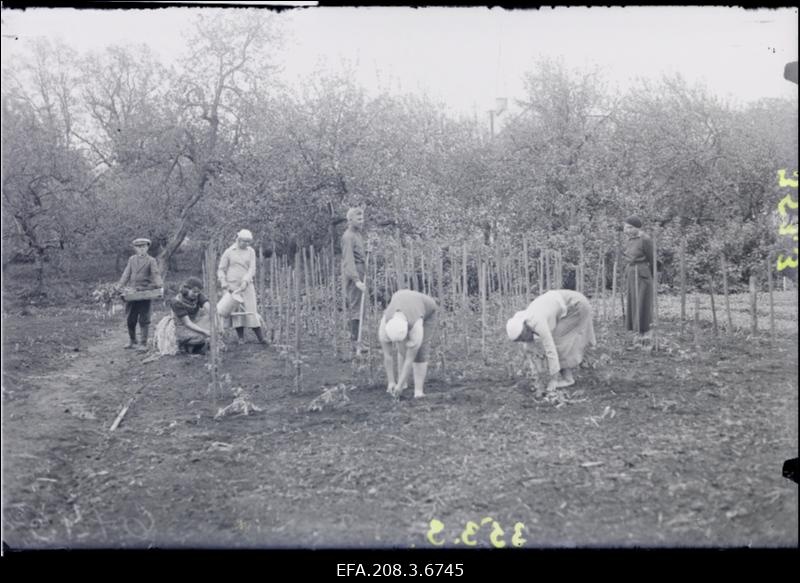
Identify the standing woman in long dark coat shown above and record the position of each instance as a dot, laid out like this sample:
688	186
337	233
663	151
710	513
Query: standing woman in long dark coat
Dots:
639	270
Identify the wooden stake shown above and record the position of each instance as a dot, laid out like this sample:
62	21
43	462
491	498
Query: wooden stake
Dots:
361	308
526	286
683	282
211	286
548	275
603	281
541	271
398	254
482	285
261	269
637	322
725	291
464	286
453	279
753	306
297	363
412	276
424	287
713	307
596	295
614	288
771	298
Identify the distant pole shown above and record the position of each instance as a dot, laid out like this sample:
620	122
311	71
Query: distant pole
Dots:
771	298
725	291
683	283
548	275
526	281
541	271
597	283
603	289
614	290
713	307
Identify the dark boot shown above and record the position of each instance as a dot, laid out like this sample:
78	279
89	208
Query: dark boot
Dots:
354	329
240	335
260	335
143	340
132	336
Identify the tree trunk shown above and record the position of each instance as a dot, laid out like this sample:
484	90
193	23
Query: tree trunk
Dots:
171	247
39	265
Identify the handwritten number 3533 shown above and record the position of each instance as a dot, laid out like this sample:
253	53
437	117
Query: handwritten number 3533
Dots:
472	528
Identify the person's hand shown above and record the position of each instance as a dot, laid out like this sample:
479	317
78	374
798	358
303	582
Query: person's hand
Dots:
361	285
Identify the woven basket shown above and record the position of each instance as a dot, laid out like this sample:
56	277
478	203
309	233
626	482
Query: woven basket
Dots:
147	294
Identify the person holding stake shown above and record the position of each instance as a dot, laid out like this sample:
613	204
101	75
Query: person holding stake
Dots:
353	273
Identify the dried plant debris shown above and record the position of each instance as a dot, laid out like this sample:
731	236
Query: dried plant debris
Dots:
242	405
332	397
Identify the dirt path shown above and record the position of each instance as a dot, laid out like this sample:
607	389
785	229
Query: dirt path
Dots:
688	454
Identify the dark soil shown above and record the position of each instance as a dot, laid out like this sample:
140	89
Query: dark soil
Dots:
680	447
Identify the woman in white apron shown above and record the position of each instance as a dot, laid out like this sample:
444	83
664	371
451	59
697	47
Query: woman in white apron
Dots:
237	270
561	320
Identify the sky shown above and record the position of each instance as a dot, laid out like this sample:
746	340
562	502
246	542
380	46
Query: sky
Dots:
467	57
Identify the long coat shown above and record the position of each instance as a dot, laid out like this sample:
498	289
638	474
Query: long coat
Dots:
353	270
639	270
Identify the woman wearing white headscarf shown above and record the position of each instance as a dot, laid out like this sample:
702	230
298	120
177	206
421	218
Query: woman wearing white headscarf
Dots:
409	328
237	269
562	321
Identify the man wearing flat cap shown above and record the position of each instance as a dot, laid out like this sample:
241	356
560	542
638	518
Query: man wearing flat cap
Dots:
639	271
141	273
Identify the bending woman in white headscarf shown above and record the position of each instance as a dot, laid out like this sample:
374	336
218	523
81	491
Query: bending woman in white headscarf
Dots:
237	269
562	321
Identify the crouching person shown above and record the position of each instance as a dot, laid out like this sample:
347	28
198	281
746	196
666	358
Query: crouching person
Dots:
562	321
190	311
408	327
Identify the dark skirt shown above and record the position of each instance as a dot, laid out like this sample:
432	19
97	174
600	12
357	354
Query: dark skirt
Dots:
186	338
639	301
